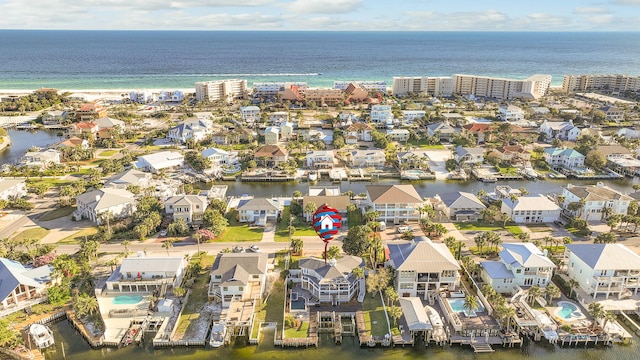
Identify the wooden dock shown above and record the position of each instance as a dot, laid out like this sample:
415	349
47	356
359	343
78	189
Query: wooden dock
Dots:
482	348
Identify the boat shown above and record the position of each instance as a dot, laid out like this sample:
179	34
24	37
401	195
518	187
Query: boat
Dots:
41	335
131	335
218	332
313	175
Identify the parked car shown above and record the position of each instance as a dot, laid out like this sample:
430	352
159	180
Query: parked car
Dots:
237	249
163	232
254	248
404	229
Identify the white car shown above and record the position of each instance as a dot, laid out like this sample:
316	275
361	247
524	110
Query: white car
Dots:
254	248
404	229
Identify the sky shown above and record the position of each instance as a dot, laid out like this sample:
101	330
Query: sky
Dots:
323	15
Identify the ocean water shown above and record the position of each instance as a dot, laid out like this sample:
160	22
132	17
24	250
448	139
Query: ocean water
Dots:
177	59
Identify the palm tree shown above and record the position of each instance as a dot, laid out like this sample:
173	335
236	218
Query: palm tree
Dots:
309	209
125	244
505	219
608	316
296	246
533	293
167	244
547	239
470	303
358	272
395	312
392	295
573	284
552	292
597	311
480	241
524	237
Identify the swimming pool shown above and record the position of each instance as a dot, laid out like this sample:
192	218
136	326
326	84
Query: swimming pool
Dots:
298	304
457	305
568	311
126	299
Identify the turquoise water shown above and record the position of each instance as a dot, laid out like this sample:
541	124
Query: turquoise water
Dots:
567	310
458	305
126	300
298	304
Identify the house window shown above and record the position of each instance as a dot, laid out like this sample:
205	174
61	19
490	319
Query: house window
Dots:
518	271
240	288
218	277
170	207
197	206
224	288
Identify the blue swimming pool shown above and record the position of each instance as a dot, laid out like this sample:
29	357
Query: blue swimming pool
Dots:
127	299
567	310
298	304
457	305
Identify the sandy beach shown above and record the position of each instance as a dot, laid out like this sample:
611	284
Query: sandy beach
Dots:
94	94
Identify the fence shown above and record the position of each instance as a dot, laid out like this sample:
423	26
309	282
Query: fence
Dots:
186	343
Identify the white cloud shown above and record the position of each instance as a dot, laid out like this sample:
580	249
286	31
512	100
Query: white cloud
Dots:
182	20
600	19
430	20
590	10
323	6
627	2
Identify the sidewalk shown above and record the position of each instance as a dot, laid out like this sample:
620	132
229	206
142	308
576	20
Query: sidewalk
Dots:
269	233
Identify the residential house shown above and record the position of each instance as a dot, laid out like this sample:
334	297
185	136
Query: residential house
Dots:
141	96
220	157
238	276
413	159
359	132
468	155
381	114
250	114
412	115
458	206
531	209
107	125
54	118
70	143
147	274
620	159
454	119
330	282
330	195
187	207
562	130
196	129
286	130
513	154
324	96
595	199
12	188
629	133
84	129
320	159
510	113
131	177
278	117
40	159
423	268
270	155
395	203
482	132
272	135
171	96
106	202
356	92
159	161
521	264
401	135
367	158
258	210
20	286
612	113
442	130
607	270
563	157
90	111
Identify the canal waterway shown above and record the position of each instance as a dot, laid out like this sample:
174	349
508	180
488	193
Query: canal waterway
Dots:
77	349
22	140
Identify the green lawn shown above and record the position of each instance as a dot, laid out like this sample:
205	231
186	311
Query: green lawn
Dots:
301	332
57	213
507	170
302	227
109	152
422	144
374	319
79	236
33	233
513	229
239	232
197	299
271	309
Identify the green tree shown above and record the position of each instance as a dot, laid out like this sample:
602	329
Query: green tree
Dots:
595	160
470	303
333	252
296	246
597	311
9	337
85	305
167	245
552	292
395	312
178	227
533	293
357	240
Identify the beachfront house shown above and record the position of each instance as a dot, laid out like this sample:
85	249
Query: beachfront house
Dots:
367	158
329	282
521	264
237	276
531	209
147	274
159	161
21	286
258	210
187	207
595	198
100	204
563	158
458	206
397	204
423	268
605	270
12	188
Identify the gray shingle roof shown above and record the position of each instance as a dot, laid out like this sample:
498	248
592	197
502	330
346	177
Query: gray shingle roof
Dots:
239	266
393	194
606	256
259	204
422	256
525	255
341	270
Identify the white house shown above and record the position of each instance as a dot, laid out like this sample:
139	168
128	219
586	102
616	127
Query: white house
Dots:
527	265
187	207
171	96
458	206
412	115
250	114
381	114
468	155
159	161
258	210
563	130
41	159
332	282
12	188
21	286
196	129
395	203
238	276
272	135
442	130
141	96
531	209
147	274
629	133
561	157
401	135
133	177
367	158
605	270
278	117
358	132
595	199
320	159
423	268
112	202
220	157
510	113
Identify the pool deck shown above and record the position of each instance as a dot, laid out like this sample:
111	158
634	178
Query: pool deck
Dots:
116	327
